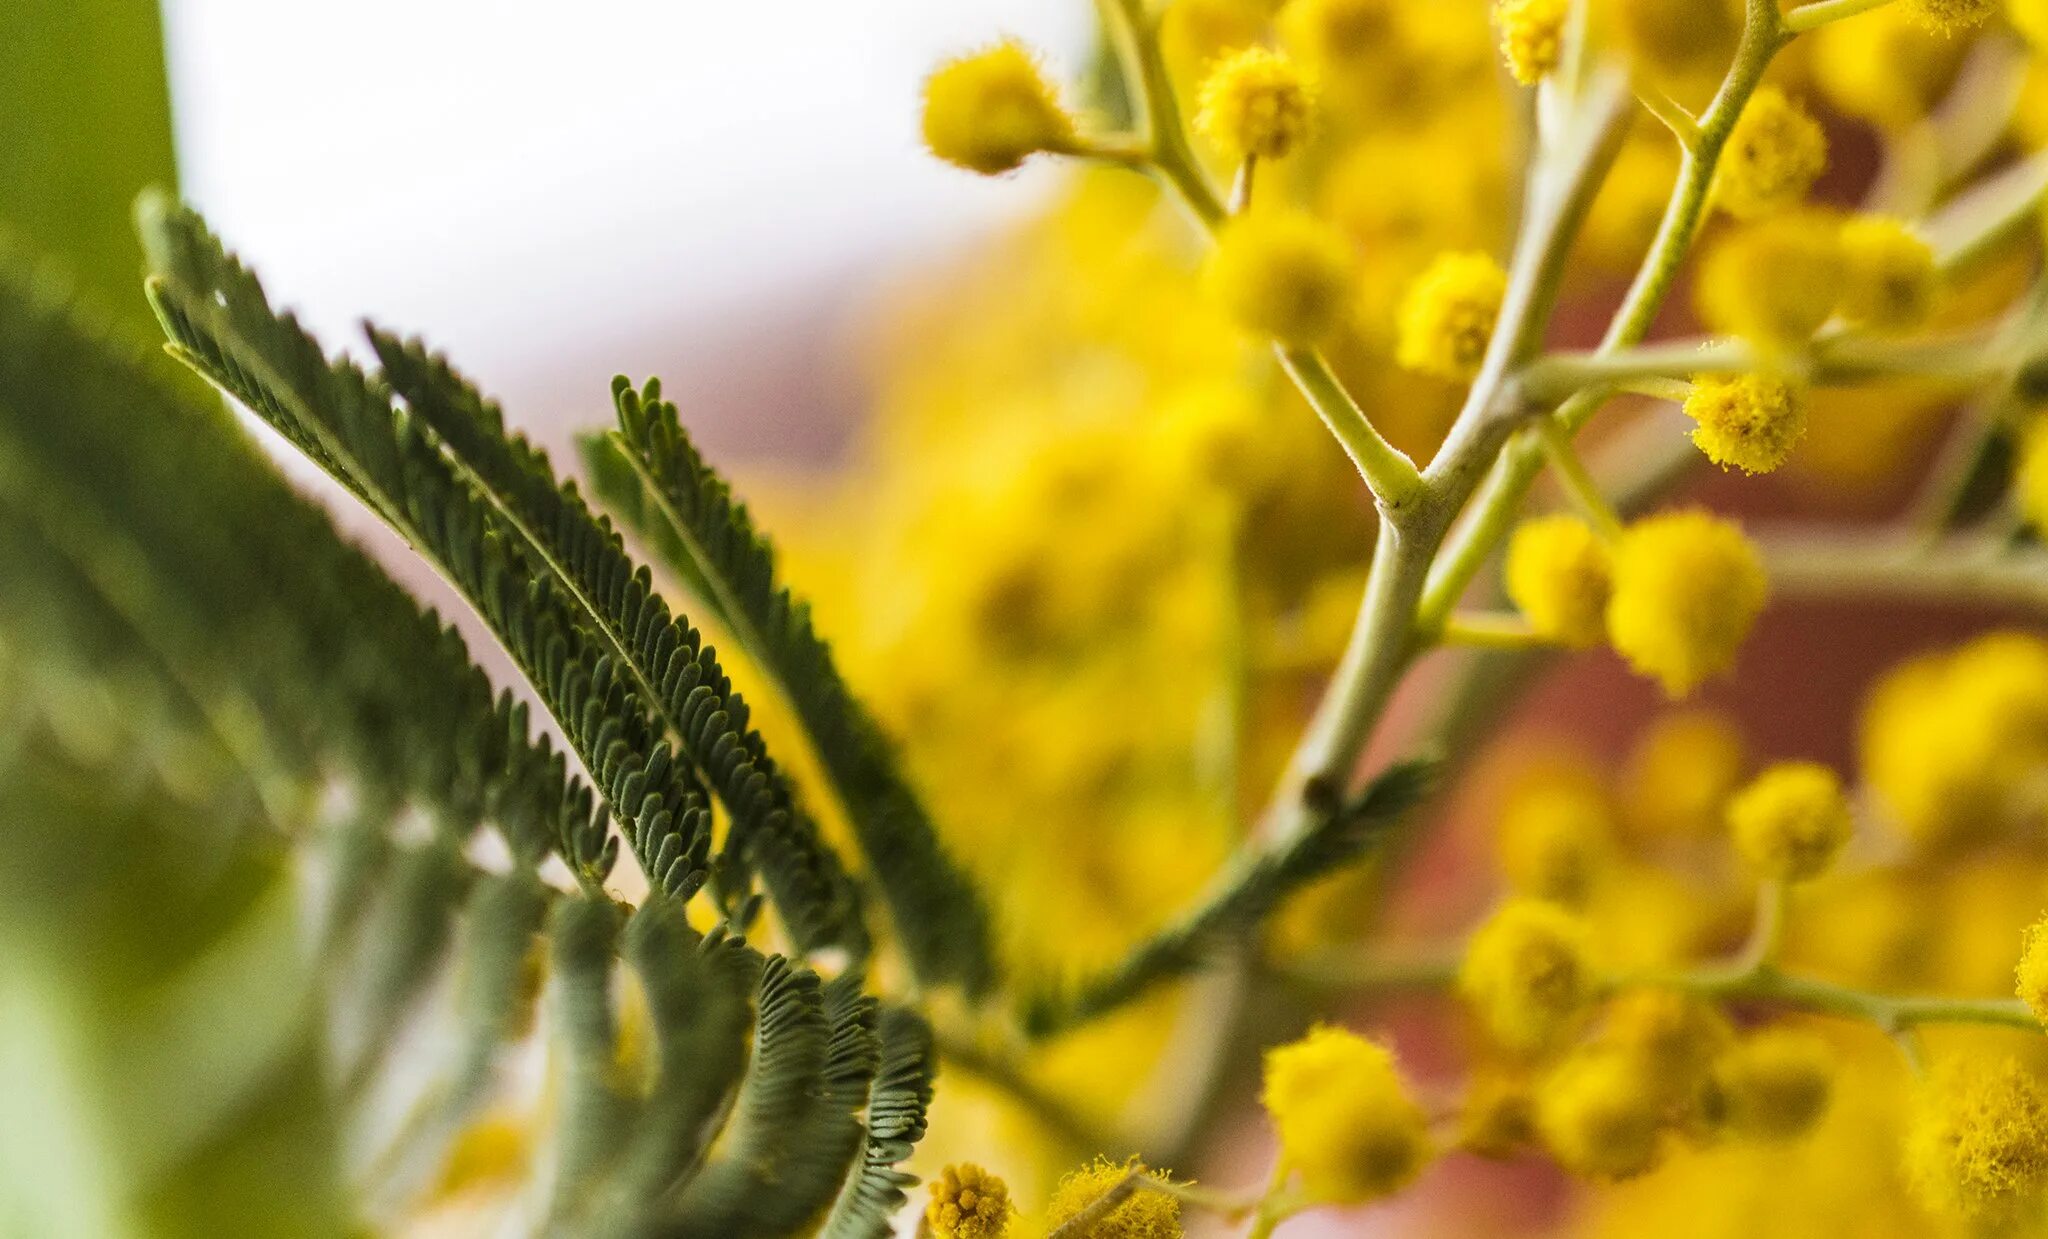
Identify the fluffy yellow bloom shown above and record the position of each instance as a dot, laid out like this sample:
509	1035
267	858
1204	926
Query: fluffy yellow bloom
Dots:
1558	575
1774	282
1749	422
1672	1038
1497	1114
1687	588
1951	741
2030	482
1792	821
1681	773
1601	1117
2031	977
989	111
1978	1144
1528	973
2030	18
1142	1215
1952	16
1773	157
1447	318
968	1203
1889	274
1774	1085
1556	832
1256	103
1344	1119
1884	66
1282	274
1531	36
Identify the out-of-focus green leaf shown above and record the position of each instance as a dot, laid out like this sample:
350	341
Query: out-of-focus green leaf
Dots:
85	124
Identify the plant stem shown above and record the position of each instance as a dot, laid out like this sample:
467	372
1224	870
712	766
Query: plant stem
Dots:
1579	484
1499	630
1394	480
1821	12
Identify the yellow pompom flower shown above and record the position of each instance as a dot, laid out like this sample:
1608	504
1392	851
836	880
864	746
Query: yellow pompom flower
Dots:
989	111
1774	282
1687	588
1775	153
1281	274
1672	1037
1448	314
1558	575
1143	1214
1952	741
1256	103
1884	66
1681	773
968	1203
1531	36
1952	16
1556	832
1344	1119
1978	1144
1749	422
1889	274
1600	1117
1792	821
2030	18
2030	480
2031	977
1528	973
1774	1085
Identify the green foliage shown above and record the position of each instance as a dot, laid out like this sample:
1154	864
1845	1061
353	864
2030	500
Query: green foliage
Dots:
218	712
1240	901
652	475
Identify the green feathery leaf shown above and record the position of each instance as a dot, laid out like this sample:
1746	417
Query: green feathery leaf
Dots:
652	475
1239	900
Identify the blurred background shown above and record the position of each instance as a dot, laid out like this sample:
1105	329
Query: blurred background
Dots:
701	191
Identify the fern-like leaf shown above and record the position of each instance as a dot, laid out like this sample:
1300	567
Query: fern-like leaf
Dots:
1239	900
652	475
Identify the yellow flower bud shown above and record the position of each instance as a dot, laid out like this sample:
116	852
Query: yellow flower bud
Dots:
1344	1119
2030	479
1672	1037
1142	1215
1497	1115
2031	976
989	111
1952	16
1774	1085
1600	1118
1528	973
968	1203
1681	774
1448	315
2030	18
1884	66
1749	422
1889	274
1256	103
1792	821
1687	588
1531	36
1774	282
1558	575
1773	157
1978	1144
1282	274
1556	831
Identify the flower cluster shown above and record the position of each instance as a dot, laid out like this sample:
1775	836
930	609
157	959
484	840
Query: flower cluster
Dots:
1252	416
